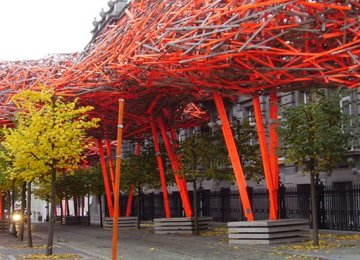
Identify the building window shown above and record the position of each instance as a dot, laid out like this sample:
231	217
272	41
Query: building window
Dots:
249	115
345	105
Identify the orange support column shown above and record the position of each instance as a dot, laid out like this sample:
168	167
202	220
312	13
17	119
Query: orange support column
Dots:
106	179
175	167
130	200
161	169
234	157
274	145
132	188
111	165
265	156
137	149
117	178
178	157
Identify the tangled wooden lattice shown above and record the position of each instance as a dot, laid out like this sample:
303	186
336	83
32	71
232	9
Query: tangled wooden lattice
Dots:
169	54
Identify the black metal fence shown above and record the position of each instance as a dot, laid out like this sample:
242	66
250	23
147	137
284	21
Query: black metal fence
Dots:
339	205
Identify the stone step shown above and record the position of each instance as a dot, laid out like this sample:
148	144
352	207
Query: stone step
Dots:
266	235
180	225
268	241
267	231
123	222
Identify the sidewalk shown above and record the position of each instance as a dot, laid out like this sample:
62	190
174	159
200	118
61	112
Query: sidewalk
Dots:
92	242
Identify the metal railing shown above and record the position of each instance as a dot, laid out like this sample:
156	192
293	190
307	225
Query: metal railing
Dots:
339	205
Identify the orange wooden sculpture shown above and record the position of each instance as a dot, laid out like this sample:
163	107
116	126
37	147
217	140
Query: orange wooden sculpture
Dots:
172	53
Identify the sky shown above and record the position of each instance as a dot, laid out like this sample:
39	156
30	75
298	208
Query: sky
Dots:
32	29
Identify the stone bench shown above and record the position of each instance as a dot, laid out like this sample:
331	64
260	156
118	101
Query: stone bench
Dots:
123	222
268	231
75	220
180	225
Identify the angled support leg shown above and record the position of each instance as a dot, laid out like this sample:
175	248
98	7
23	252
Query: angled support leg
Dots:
175	167
111	164
130	200
161	168
234	157
132	188
274	145
175	146
105	179
265	156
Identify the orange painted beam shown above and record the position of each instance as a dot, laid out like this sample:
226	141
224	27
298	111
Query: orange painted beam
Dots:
111	165
161	169
234	157
265	157
130	200
105	179
175	167
274	144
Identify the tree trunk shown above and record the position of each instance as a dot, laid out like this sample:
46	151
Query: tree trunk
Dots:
83	205
67	208
61	210
22	220
12	229
50	242
314	210
195	202
28	223
8	209
13	196
101	213
75	205
47	211
138	209
3	212
88	211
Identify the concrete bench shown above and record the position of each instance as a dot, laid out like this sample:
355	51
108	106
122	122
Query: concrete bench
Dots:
75	220
123	222
180	225
268	231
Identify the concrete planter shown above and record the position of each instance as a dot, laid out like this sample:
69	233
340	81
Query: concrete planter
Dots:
123	222
73	220
180	225
268	231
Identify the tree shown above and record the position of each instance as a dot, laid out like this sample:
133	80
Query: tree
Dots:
315	136
203	157
5	187
50	136
140	171
93	181
245	136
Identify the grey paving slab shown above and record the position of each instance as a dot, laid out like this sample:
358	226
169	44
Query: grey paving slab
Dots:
95	243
